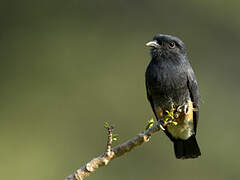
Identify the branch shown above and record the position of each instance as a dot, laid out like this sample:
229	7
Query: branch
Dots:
111	154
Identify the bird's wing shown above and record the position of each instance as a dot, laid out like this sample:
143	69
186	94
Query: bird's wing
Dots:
154	111
194	94
150	99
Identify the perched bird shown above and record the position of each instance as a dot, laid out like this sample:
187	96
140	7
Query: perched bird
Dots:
172	91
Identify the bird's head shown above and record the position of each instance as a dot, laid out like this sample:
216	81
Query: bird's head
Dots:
166	46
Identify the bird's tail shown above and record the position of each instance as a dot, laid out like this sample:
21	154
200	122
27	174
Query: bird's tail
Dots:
185	149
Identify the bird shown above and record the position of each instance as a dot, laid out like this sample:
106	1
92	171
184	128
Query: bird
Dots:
172	91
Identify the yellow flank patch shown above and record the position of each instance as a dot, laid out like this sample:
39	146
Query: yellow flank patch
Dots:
189	115
182	125
175	115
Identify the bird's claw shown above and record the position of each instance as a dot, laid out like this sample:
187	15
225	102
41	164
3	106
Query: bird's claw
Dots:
161	124
186	109
179	109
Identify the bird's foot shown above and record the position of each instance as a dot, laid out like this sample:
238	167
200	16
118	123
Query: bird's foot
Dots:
179	109
186	109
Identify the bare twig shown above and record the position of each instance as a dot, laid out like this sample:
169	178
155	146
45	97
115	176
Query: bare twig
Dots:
110	140
110	153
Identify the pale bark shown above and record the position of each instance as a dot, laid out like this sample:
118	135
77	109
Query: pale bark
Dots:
110	154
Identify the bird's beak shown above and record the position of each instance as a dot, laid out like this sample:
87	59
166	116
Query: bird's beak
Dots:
152	44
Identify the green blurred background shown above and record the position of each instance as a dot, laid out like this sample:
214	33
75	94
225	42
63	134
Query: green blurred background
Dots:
68	66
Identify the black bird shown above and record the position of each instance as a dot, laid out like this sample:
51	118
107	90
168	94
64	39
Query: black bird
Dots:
171	86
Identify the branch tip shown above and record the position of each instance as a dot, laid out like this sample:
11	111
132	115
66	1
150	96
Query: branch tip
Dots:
110	153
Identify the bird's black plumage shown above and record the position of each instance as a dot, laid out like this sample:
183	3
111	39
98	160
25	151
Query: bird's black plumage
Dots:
170	81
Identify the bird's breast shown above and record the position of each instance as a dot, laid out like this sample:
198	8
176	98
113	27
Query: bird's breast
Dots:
167	84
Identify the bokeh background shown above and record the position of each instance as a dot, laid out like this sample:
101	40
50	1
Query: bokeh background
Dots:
68	66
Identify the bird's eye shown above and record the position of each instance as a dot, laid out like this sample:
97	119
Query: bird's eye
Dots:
171	45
